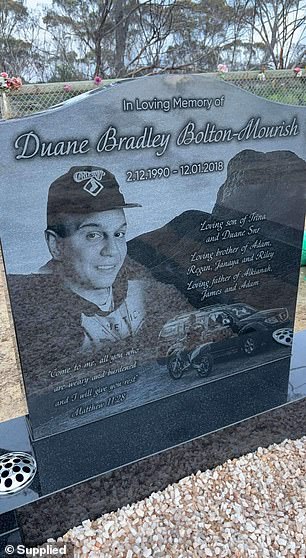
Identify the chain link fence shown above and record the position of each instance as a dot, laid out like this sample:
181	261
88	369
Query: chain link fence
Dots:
282	86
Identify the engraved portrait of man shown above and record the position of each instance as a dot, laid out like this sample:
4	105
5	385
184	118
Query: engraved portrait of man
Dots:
86	237
90	294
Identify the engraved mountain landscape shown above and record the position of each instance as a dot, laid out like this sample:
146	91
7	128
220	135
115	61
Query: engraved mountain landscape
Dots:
247	249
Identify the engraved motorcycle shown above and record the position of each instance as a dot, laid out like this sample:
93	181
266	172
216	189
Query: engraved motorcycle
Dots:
180	359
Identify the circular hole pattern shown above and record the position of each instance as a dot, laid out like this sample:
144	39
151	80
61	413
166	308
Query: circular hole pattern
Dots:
16	470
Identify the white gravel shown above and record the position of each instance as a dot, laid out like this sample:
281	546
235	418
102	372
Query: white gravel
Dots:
253	506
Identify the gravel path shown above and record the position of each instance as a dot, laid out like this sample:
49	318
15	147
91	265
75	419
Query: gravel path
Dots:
253	506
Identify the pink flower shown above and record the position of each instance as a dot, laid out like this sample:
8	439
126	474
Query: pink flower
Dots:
14	82
9	83
298	71
222	68
67	87
97	80
17	82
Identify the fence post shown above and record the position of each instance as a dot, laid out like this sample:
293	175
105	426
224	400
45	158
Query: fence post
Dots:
5	106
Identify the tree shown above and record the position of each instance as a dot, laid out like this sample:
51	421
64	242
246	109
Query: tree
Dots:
110	38
122	38
279	25
149	37
17	51
79	25
122	17
200	31
90	28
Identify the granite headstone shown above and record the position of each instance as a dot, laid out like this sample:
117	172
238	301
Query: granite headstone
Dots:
151	234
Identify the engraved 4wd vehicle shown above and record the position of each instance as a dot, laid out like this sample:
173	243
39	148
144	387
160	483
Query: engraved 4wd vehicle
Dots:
195	339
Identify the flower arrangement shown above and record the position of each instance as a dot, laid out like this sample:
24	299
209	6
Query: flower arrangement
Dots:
298	72
8	84
222	68
262	76
68	88
97	80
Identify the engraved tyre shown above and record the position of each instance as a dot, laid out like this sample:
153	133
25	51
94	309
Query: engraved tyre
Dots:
205	366
250	343
176	365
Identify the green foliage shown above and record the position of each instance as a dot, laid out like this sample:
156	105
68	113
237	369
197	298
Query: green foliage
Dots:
18	52
287	97
64	73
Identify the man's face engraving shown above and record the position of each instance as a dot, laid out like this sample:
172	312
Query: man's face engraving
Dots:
94	251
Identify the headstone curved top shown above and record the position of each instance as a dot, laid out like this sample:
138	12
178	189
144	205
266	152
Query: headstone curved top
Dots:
149	230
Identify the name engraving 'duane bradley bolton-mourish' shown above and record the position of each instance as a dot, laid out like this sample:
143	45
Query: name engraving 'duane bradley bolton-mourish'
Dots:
30	144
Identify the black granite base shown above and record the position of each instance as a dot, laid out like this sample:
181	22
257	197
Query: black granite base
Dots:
9	532
72	456
9	540
8	522
105	465
54	515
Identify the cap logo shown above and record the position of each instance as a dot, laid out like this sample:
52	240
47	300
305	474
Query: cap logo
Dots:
93	185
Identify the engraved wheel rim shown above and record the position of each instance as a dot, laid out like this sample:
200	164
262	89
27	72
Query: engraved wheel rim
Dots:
249	345
17	470
205	367
283	336
176	365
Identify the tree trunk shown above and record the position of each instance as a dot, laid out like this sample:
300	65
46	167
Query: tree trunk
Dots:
98	59
120	37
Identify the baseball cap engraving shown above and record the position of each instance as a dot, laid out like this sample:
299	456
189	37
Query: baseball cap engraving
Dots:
80	176
68	194
93	185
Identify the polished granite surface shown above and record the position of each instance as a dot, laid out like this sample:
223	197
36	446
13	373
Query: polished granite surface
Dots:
70	458
12	398
72	469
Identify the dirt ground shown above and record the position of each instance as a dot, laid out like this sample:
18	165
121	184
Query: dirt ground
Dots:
300	317
12	399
